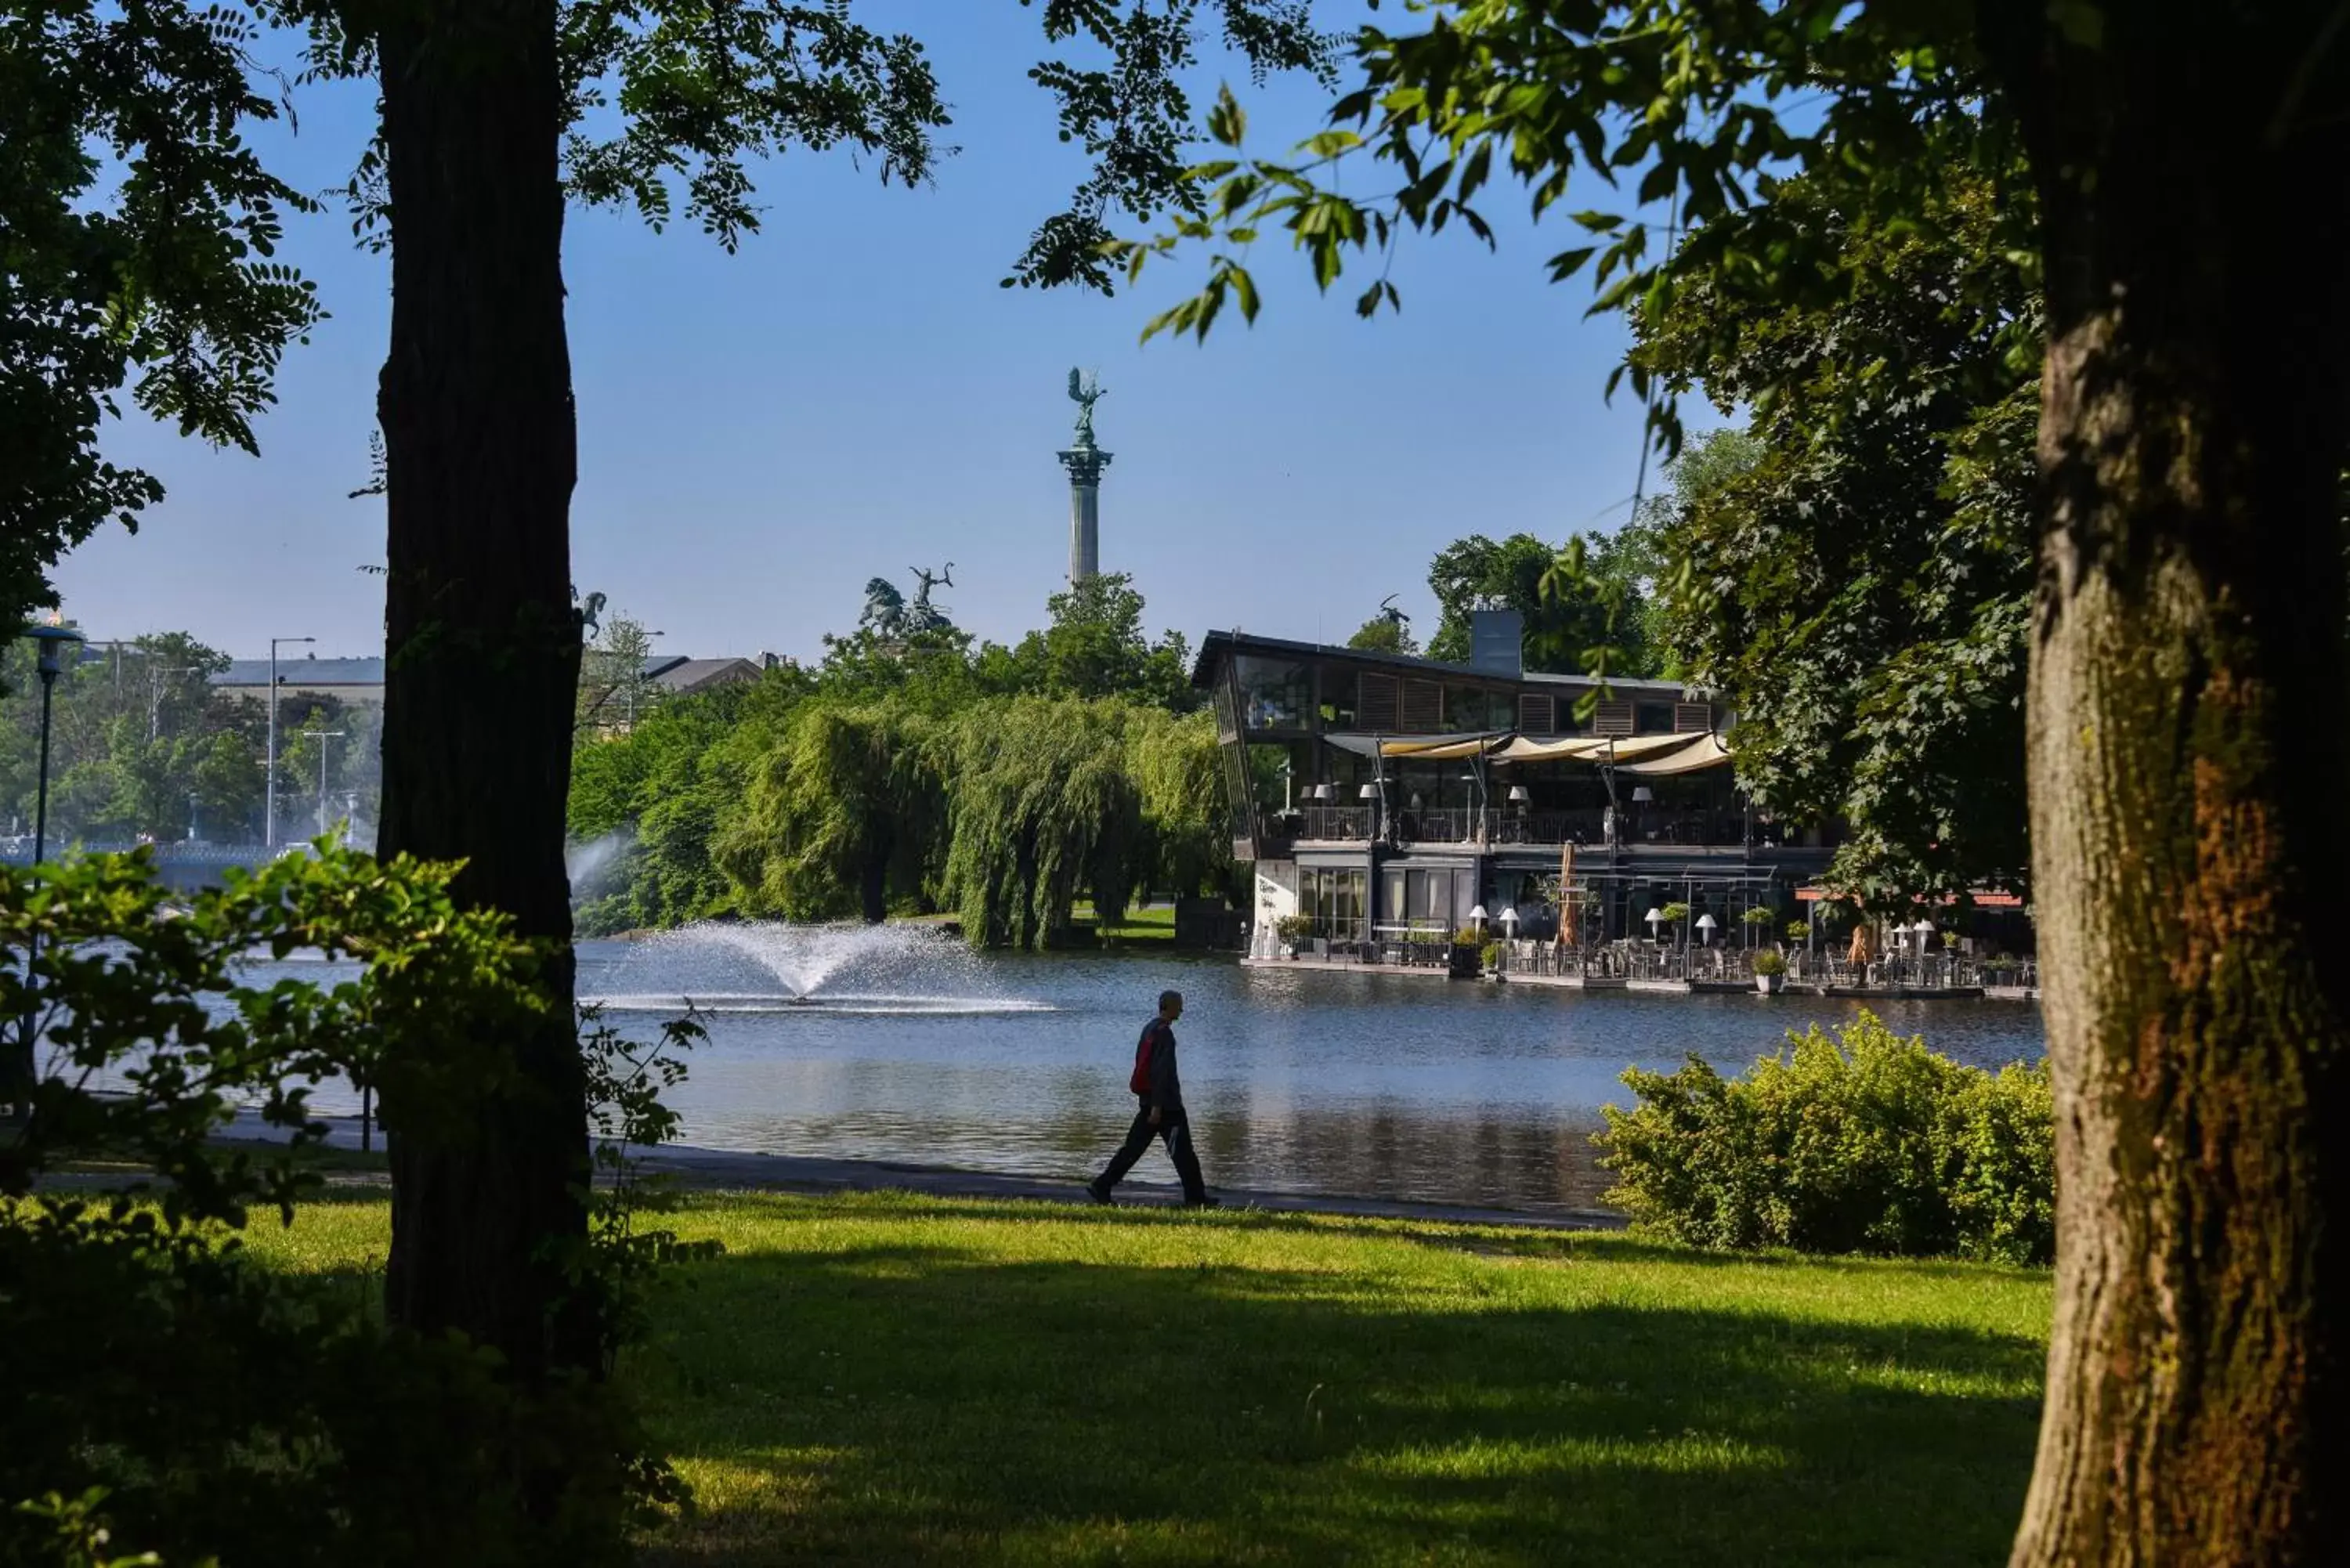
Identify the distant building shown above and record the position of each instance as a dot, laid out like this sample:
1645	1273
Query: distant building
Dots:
679	676
1378	793
358	683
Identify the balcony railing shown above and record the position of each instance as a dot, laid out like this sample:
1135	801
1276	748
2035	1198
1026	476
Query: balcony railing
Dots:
1500	826
1636	959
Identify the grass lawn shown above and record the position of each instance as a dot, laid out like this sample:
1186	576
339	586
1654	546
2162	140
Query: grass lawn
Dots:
887	1379
1155	923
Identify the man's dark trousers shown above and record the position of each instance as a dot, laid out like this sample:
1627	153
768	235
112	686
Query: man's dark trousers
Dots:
1176	1129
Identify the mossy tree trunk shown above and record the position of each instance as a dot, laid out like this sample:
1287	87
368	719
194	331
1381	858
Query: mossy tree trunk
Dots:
484	648
2189	756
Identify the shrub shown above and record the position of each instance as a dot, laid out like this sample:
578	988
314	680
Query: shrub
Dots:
1294	928
1770	961
166	1389
1799	932
1490	955
1872	1144
1760	915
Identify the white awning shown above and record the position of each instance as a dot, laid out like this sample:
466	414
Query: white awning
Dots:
1599	749
1707	753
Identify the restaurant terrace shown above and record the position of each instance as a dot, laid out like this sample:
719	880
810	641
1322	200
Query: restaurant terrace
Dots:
1379	793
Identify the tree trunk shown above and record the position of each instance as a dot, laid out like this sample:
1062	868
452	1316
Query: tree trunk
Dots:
2189	747
483	649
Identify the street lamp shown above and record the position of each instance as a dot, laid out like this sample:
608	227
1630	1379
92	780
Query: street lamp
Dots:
52	642
322	736
269	768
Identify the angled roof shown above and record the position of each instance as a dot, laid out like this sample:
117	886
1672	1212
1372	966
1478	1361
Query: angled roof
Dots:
692	674
303	671
1218	645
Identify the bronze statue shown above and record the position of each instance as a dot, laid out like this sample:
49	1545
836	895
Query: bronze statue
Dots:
1086	391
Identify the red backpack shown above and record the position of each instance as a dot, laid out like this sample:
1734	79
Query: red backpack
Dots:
1141	1082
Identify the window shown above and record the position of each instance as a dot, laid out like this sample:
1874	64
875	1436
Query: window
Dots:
1333	898
1423	707
1339	700
1376	704
1654	719
1535	715
1693	717
1275	694
1612	719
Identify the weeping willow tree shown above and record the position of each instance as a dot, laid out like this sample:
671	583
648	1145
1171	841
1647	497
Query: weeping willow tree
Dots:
1045	809
846	814
1180	776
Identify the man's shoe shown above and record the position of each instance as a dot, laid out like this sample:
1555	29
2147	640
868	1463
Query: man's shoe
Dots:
1207	1201
1094	1192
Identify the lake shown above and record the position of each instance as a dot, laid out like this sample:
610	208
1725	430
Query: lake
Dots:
908	1048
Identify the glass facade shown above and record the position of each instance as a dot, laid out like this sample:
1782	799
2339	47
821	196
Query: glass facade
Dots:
1334	898
1275	694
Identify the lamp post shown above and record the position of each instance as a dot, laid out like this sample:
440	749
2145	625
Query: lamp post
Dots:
52	642
269	767
1705	925
322	736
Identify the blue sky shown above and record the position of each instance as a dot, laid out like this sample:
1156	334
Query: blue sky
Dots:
852	394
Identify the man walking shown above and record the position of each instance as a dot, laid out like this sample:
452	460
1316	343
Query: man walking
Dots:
1161	1113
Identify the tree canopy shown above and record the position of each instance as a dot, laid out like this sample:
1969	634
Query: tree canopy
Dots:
138	233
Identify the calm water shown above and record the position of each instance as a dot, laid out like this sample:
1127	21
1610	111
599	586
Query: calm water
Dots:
916	1051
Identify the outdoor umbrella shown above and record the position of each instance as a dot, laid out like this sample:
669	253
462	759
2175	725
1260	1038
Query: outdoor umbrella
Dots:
1567	935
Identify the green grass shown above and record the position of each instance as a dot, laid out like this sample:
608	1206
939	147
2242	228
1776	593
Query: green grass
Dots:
1152	924
896	1380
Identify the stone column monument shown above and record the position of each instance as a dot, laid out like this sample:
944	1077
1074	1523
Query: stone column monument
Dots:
1085	461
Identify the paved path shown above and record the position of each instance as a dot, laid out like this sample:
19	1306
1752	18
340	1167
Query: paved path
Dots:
727	1169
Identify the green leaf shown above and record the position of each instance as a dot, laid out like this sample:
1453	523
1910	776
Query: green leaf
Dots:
1227	122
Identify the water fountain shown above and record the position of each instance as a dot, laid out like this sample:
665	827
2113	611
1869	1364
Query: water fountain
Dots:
773	966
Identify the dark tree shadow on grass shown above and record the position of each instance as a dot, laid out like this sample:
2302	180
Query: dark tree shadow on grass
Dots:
902	1405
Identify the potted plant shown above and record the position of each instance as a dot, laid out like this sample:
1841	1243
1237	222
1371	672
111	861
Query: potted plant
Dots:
1756	918
1676	916
1293	930
1770	971
1799	932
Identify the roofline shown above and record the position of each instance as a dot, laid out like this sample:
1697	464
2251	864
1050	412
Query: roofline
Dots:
1219	642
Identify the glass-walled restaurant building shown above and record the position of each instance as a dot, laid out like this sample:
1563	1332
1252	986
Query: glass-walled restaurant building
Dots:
1388	798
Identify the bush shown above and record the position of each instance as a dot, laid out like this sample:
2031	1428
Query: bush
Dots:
1770	961
1759	916
166	1389
1294	928
1873	1144
1799	932
1490	955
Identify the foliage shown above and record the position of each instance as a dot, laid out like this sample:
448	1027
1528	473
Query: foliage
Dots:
1293	928
1489	955
650	809
1045	812
1385	633
137	237
1094	646
198	1406
614	690
845	816
1759	916
138	730
840	793
1561	624
1770	961
1860	566
1867	1143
